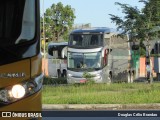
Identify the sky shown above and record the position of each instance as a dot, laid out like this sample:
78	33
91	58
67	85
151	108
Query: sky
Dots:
93	11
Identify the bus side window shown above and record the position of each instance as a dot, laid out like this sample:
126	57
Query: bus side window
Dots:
50	51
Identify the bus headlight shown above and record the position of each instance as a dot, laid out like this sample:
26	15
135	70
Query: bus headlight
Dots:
69	75
16	92
99	74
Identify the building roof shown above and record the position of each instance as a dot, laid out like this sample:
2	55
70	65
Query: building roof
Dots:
58	43
94	30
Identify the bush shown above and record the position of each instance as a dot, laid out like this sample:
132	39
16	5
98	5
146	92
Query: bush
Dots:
142	52
54	81
89	77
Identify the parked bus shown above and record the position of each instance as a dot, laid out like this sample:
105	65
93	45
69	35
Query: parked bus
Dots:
20	59
57	65
100	52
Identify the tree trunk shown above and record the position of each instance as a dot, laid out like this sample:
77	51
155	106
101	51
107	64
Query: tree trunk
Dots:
150	62
151	74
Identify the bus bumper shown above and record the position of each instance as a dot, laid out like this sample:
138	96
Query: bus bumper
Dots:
26	105
73	80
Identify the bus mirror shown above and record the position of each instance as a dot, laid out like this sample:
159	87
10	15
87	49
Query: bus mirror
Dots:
55	54
104	52
64	52
110	50
135	47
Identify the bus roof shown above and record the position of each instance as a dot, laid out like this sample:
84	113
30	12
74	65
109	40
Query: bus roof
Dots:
94	30
58	43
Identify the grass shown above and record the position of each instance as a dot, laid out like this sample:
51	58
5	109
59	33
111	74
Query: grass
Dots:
102	94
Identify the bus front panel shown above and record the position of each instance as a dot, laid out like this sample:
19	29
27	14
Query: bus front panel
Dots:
20	64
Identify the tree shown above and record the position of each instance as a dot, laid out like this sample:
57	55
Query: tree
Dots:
58	21
139	23
151	12
131	22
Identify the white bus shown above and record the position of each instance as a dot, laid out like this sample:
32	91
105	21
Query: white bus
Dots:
57	66
99	52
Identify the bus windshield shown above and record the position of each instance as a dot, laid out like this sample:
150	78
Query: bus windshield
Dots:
85	40
55	49
17	21
84	60
18	30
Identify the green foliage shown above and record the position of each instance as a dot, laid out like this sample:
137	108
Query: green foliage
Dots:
142	52
89	77
139	23
155	55
128	23
58	21
151	12
142	49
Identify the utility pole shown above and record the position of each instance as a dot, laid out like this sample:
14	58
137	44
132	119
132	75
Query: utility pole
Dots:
44	51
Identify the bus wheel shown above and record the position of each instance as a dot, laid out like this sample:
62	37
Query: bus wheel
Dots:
64	73
58	73
110	77
128	77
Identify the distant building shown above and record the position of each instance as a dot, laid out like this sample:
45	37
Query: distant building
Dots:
79	26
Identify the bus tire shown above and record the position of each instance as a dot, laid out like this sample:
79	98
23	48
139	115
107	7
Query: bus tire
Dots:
110	78
64	73
58	73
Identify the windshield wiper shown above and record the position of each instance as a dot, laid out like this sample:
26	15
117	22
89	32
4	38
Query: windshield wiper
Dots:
10	52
